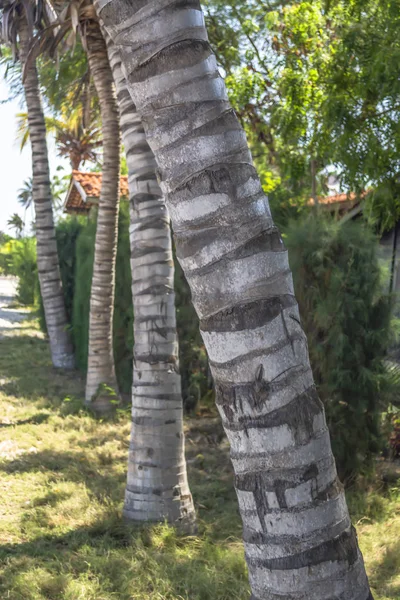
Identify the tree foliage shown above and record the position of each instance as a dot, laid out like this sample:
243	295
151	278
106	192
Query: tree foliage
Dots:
347	318
82	248
316	80
18	258
75	241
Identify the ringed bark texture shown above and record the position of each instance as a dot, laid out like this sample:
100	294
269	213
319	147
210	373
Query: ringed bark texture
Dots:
299	541
157	487
101	369
47	257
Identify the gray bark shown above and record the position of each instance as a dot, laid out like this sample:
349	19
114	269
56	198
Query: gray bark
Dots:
101	369
47	257
298	537
157	487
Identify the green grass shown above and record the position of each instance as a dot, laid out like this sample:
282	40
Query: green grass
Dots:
62	484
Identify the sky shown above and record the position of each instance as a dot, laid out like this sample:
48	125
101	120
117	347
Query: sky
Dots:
15	166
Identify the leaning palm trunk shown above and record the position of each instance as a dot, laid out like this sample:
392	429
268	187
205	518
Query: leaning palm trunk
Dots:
157	487
101	383
47	257
299	541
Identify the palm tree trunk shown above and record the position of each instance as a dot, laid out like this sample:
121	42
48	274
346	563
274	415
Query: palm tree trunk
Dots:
101	379
299	541
47	257
157	489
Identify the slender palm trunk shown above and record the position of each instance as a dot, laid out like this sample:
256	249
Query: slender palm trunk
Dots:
47	256
75	159
101	370
299	541
157	486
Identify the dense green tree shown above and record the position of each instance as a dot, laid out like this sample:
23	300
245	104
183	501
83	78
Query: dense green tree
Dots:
254	69
315	85
362	111
347	317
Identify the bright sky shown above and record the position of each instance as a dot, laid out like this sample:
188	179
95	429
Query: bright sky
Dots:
15	166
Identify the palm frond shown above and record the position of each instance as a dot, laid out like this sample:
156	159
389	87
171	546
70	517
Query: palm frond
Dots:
34	12
15	222
393	378
25	194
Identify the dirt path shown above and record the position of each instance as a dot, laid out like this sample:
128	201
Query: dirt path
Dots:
10	318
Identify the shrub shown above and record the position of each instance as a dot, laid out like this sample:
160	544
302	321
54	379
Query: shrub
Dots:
18	258
67	233
123	319
75	240
75	243
123	312
346	316
192	354
25	268
5	253
81	298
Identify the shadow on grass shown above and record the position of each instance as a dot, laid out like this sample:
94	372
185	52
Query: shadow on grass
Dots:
126	561
50	499
371	503
109	531
383	570
150	559
101	480
26	366
210	477
35	420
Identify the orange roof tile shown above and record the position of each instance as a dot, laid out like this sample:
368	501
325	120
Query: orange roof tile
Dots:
339	198
91	185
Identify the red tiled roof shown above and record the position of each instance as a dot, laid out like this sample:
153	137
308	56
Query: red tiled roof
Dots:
90	183
339	198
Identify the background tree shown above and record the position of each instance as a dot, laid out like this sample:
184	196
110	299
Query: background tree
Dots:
25	194
73	140
15	222
101	369
17	19
156	490
307	82
76	17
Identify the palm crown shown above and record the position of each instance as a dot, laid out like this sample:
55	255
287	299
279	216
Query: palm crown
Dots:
15	222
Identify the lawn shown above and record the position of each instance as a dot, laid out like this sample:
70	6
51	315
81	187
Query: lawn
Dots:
62	484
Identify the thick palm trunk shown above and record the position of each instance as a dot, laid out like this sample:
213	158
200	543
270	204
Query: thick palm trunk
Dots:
47	256
298	537
101	370
157	487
